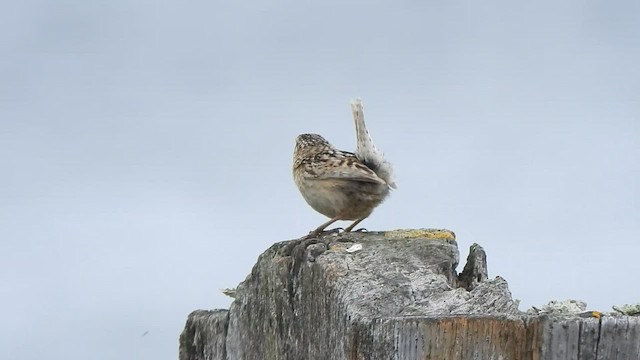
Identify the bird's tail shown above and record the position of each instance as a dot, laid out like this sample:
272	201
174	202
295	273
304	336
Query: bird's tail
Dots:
366	151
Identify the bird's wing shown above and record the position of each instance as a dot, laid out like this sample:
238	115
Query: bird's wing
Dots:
340	165
357	172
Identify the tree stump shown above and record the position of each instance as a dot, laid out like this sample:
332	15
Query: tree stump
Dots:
391	295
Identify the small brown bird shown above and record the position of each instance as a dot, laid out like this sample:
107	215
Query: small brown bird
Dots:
339	184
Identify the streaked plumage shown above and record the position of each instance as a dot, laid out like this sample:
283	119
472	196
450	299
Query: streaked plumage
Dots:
339	184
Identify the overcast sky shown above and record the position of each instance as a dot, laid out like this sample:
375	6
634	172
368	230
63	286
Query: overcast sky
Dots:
145	149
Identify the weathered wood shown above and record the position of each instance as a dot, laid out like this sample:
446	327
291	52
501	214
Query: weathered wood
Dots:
475	270
399	297
619	338
205	335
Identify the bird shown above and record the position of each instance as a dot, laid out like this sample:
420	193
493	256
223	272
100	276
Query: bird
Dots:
339	184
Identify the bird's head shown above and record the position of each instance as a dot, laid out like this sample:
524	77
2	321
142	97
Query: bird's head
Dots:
306	142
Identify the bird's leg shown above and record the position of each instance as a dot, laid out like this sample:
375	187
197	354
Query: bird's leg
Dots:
354	224
318	231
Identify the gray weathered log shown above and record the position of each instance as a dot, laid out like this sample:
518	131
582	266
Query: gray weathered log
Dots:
475	270
399	297
204	336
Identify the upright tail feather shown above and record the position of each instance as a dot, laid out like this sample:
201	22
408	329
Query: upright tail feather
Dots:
366	151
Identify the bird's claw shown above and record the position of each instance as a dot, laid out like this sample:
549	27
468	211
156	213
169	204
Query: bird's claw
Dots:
315	233
337	230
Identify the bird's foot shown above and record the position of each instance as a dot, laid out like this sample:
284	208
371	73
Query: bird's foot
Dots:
315	233
337	230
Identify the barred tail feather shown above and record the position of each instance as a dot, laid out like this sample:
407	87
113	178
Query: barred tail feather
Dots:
366	151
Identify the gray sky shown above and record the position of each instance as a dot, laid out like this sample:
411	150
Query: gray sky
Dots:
145	149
